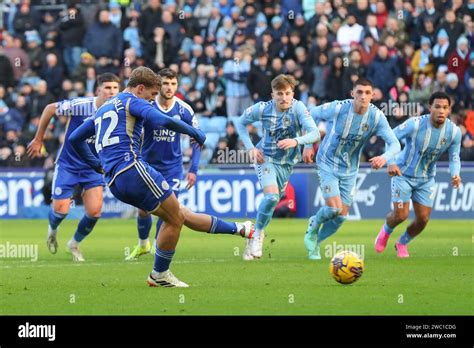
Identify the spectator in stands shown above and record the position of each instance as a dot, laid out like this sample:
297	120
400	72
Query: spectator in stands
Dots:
320	72
17	56
457	92
149	20
400	87
71	32
6	70
453	26
174	31
441	50
259	78
383	71
33	49
131	35
236	91
421	89
349	32
40	99
334	83
467	141
25	19
458	61
104	40
422	59
369	49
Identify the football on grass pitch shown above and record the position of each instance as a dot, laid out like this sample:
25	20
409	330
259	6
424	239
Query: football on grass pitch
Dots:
346	267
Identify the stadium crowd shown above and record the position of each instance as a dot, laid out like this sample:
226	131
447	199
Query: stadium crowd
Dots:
227	52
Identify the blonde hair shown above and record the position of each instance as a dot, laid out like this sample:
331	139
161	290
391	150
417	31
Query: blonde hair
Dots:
144	76
283	81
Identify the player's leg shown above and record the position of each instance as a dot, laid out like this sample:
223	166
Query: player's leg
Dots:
144	222
173	177
168	237
401	193
93	200
267	176
212	224
333	207
422	197
62	190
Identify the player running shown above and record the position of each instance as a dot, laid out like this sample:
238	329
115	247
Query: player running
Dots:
118	127
283	119
350	124
426	138
162	150
70	170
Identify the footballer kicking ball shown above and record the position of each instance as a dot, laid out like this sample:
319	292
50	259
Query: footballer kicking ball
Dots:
346	267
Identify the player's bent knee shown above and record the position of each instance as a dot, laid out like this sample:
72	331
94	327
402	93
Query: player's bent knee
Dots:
270	201
401	216
142	213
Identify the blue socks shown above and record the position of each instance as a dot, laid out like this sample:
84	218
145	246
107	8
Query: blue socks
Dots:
387	228
85	227
265	210
55	219
330	227
327	213
162	260
405	238
221	226
144	226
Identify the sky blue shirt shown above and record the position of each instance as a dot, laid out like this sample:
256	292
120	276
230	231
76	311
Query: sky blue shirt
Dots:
424	144
347	133
277	126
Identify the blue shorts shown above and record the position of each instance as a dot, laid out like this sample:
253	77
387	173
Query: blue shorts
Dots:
333	184
65	180
141	186
173	176
274	174
419	191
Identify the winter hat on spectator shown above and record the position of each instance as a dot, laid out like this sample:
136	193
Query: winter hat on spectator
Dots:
443	68
32	35
261	18
425	41
113	5
235	9
471	57
276	19
220	34
187	9
186	81
451	77
443	34
196	47
462	40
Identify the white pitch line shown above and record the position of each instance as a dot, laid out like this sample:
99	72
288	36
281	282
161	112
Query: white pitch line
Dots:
28	264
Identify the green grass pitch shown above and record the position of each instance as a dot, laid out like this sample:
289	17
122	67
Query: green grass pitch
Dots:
435	280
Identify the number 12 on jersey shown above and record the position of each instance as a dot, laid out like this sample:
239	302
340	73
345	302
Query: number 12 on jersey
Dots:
106	140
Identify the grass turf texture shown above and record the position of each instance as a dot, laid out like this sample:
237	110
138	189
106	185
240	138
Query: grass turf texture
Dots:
436	279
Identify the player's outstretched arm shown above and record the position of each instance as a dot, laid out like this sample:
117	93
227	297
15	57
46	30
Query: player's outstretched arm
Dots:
34	147
78	141
454	159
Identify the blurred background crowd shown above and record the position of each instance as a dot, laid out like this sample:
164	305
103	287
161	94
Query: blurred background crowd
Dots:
227	52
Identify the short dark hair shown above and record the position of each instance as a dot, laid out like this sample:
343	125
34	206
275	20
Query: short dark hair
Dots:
362	81
107	77
439	95
167	73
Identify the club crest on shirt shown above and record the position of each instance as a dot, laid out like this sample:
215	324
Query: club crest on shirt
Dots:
365	127
286	121
266	171
444	141
327	189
